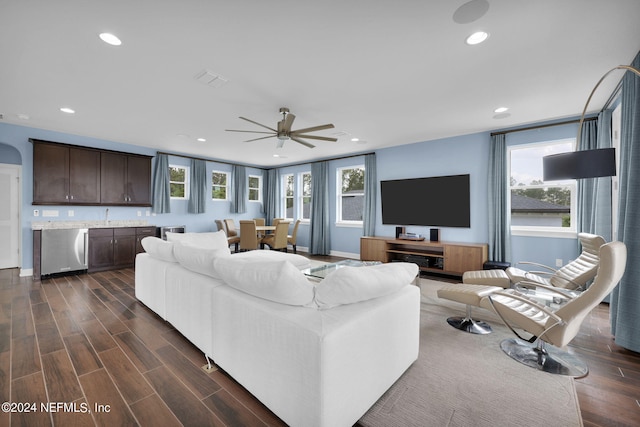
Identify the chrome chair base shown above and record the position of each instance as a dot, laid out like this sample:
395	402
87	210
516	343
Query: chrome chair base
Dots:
545	358
467	324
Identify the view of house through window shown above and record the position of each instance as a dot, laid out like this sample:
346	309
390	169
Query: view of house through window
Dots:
219	182
535	204
179	182
350	201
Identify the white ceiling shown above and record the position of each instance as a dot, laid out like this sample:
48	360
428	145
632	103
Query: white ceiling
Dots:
387	72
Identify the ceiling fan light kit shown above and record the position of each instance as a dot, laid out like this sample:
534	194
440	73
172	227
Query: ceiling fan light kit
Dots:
284	133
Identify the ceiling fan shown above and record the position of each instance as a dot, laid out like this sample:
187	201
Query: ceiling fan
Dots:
283	131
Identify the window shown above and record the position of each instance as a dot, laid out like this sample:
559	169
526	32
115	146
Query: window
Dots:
350	193
219	188
179	182
304	204
539	207
287	185
255	194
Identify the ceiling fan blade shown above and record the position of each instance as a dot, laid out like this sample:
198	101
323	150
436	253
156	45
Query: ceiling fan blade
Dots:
305	143
288	121
256	139
256	123
249	131
313	129
322	138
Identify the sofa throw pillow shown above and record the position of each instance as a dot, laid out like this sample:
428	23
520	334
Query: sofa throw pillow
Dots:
158	248
278	281
349	285
210	240
198	258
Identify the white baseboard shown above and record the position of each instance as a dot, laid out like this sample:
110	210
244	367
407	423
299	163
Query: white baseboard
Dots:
344	254
24	272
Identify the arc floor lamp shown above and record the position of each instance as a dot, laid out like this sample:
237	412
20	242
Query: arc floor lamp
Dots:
585	163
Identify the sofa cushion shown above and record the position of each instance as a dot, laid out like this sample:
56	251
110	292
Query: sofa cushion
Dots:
212	240
198	258
349	285
278	281
158	248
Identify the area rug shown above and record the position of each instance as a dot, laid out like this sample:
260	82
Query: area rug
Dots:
463	379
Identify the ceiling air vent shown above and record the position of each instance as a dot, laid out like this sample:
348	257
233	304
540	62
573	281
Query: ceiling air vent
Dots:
209	78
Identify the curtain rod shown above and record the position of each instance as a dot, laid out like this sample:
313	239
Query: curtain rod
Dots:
568	122
264	168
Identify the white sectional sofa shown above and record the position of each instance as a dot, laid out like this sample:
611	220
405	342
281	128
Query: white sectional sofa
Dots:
316	354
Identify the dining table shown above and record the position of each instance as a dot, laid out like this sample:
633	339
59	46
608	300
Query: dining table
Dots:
263	229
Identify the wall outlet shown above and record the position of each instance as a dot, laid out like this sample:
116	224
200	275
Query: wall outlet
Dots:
558	262
36	212
139	213
147	213
70	213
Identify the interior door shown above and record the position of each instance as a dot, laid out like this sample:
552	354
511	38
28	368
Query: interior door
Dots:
9	216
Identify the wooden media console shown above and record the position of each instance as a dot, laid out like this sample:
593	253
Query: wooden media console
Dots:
452	258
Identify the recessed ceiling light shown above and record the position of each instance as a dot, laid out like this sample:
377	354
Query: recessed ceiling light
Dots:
23	116
110	39
355	139
477	37
201	140
500	109
67	110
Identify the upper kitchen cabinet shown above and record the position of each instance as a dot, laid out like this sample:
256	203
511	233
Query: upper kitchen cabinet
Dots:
65	175
128	177
70	175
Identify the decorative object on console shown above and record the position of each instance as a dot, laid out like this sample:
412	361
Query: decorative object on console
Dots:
434	235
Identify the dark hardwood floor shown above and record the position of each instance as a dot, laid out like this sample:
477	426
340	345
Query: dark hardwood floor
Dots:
83	342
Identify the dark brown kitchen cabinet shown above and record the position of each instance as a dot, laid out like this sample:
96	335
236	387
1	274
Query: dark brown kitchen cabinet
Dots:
126	179
71	175
65	175
111	248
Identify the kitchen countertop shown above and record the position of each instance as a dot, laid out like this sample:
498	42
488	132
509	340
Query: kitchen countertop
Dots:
56	225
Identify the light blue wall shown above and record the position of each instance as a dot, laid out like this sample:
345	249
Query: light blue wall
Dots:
468	154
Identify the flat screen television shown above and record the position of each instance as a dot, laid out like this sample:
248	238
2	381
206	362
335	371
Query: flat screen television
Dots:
440	201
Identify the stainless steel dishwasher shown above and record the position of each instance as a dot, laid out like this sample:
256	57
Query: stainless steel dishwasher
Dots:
64	250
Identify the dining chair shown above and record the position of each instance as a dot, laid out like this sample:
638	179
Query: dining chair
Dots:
220	225
232	233
278	240
248	235
293	237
